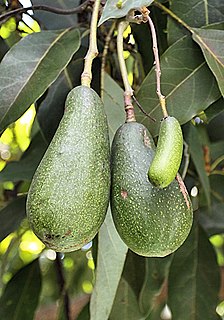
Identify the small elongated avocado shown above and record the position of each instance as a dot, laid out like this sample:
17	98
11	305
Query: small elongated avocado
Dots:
69	193
166	162
153	222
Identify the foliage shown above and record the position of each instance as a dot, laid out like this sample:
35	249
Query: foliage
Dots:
40	68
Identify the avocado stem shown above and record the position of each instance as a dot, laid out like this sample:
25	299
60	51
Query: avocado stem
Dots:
157	69
128	93
92	52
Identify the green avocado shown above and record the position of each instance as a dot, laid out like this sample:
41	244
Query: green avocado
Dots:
69	194
153	222
167	159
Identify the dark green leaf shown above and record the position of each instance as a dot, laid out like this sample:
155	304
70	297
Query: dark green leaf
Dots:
195	13
25	168
110	261
197	155
212	219
194	279
187	83
212	45
11	216
155	275
134	271
52	21
215	128
114	104
21	295
30	66
125	305
113	10
215	109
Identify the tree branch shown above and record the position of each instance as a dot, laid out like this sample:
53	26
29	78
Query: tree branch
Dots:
55	10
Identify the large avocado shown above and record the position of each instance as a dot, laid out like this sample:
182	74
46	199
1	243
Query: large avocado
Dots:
152	221
69	193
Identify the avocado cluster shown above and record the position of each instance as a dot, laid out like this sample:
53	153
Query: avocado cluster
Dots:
71	189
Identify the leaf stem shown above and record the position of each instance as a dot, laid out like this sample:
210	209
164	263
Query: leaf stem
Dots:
104	56
128	93
162	98
92	53
216	162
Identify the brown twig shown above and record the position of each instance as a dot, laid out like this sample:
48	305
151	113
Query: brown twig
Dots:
62	286
55	10
142	110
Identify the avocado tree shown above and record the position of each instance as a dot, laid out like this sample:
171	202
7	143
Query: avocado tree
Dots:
155	252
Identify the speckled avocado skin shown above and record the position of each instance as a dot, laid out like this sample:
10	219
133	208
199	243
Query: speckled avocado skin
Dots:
69	193
153	222
166	162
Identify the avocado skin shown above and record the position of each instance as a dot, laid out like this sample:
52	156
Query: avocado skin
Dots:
153	222
69	194
166	162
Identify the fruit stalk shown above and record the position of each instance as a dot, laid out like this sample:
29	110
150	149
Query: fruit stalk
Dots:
86	76
158	70
128	93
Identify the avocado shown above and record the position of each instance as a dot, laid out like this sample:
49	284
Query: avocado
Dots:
167	159
69	194
153	222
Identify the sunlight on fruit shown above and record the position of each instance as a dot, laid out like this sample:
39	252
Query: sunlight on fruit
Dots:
68	263
8	185
87	287
7	28
30	243
127	32
91	264
220	309
217	240
6	242
23	127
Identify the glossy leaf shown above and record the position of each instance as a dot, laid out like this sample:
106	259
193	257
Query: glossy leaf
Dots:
120	8
125	304
194	279
12	215
187	83
195	13
30	66
212	45
110	261
21	295
214	110
197	155
26	166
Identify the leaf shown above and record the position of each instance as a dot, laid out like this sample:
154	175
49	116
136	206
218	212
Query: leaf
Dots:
214	110
52	21
194	279
125	304
11	216
197	155
150	300
29	68
110	261
212	219
24	168
114	104
112	8
212	46
196	13
187	83
21	295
